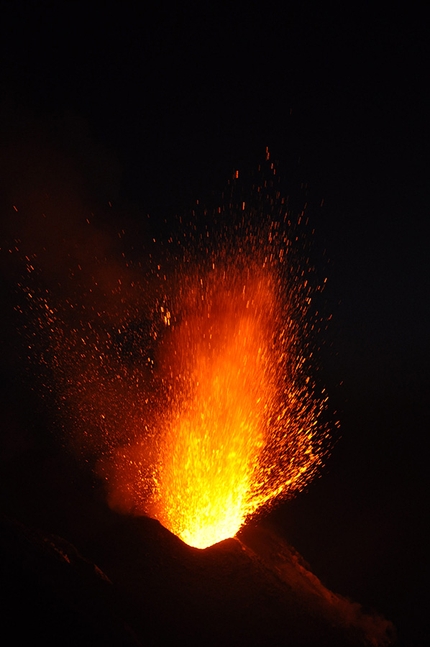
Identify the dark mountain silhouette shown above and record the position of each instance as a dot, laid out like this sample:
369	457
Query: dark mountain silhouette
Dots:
149	588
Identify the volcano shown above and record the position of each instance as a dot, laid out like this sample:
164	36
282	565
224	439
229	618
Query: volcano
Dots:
186	389
150	588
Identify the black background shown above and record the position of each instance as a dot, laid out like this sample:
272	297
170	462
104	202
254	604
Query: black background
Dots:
158	106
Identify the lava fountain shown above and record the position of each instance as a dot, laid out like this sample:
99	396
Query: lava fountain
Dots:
195	401
219	358
241	424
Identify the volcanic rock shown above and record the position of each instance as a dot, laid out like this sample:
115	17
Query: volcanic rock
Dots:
51	595
253	590
155	590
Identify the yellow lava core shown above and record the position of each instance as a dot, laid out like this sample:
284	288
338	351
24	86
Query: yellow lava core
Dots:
212	445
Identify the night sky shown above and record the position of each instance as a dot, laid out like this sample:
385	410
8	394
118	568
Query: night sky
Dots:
155	108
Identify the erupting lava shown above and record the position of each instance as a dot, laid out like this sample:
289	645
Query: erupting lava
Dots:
241	427
211	448
196	402
240	430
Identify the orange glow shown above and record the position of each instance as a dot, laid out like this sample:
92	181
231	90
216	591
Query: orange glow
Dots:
187	385
216	429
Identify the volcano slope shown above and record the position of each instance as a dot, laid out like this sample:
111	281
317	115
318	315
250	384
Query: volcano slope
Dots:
149	588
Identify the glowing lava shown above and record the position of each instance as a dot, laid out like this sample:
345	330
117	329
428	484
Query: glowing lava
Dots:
217	428
238	433
188	386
